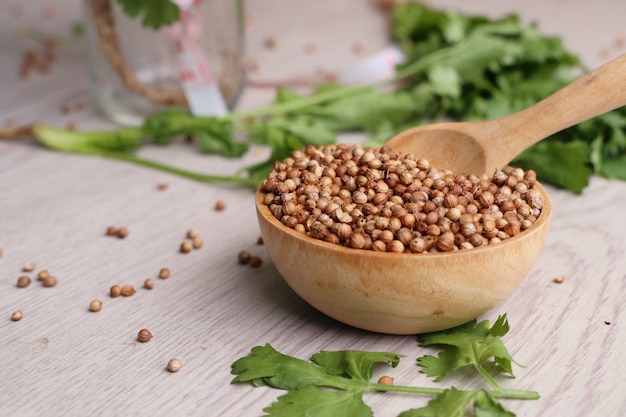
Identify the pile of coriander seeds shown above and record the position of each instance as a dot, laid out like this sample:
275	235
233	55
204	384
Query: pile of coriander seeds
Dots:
381	200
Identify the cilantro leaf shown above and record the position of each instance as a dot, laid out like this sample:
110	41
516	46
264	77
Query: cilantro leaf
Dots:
455	403
333	383
156	13
468	344
354	364
266	366
313	401
346	372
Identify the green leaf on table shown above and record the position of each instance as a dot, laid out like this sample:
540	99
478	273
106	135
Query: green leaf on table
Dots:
266	366
354	364
332	384
468	344
156	13
312	401
455	403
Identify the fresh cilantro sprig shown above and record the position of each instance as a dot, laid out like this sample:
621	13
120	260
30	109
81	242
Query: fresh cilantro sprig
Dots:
470	344
458	67
333	383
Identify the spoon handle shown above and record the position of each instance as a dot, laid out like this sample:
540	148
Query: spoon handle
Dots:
597	92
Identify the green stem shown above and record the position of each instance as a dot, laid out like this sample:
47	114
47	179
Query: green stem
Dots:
297	104
487	376
499	393
178	171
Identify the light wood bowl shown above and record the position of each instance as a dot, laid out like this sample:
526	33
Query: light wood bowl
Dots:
401	293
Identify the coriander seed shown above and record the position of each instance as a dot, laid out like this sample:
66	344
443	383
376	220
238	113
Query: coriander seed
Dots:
111	231
95	306
144	335
385	380
174	365
385	196
197	243
23	281
43	274
17	315
49	281
560	279
122	232
255	261
115	291
244	257
148	283
164	273
220	205
127	290
193	233
186	247
28	267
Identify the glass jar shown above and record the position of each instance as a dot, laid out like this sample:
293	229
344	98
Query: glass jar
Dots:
196	63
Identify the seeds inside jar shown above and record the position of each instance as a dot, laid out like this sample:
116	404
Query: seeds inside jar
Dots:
382	200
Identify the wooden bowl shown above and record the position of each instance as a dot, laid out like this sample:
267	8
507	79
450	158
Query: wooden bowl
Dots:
401	293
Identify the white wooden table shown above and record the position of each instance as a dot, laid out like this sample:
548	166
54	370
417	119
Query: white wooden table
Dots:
62	360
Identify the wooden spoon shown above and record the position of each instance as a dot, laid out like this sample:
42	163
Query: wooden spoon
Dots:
481	147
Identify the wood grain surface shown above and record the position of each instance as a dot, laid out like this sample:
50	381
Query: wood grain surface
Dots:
63	360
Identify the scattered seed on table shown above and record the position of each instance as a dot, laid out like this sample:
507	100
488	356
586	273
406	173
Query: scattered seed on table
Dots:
95	306
174	365
49	281
186	247
244	257
28	267
192	233
197	242
43	274
162	186
17	315
111	231
270	43
1	253
144	335
164	273
255	261
220	205
148	283
122	232
559	279
385	380
23	281
127	290
259	241
116	291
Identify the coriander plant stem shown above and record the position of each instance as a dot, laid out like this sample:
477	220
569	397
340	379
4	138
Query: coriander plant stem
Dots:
498	393
178	171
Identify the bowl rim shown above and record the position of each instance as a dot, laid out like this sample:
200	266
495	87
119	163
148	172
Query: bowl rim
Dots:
542	221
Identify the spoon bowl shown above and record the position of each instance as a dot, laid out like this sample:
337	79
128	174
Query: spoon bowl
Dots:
483	146
401	293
